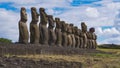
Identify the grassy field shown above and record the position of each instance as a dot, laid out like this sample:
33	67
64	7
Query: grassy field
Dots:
109	59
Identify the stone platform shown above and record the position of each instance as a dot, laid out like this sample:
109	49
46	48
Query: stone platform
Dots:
22	49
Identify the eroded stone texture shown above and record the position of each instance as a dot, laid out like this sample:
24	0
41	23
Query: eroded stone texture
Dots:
19	62
34	29
23	30
84	30
58	32
69	33
73	36
81	35
77	38
89	41
43	27
64	33
93	38
51	33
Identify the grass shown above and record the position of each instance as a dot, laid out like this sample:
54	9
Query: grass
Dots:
109	46
110	53
111	59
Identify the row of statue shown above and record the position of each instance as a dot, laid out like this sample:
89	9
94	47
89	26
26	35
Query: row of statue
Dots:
64	34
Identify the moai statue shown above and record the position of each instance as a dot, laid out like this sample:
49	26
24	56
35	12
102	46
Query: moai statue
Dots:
81	35
43	27
89	41
23	30
77	38
51	33
73	36
58	32
34	29
93	38
64	33
69	33
84	30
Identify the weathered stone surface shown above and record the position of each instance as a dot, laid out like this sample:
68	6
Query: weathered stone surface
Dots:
23	30
23	49
81	35
69	33
34	29
84	30
43	27
77	38
51	33
58	32
29	63
89	42
93	38
64	33
73	36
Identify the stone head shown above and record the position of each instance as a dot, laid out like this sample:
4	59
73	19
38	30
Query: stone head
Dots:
63	26
83	27
92	30
51	21
57	19
69	30
80	33
41	9
35	15
72	28
66	25
76	30
50	16
58	24
75	27
23	14
71	25
33	9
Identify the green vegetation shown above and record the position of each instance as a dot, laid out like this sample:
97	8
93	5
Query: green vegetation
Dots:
109	46
108	58
4	40
107	53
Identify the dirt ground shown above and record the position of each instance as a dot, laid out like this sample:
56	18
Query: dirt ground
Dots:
55	57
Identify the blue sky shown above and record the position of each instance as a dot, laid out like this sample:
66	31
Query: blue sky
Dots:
104	15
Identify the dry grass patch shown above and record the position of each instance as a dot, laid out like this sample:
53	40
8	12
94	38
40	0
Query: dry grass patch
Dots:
94	60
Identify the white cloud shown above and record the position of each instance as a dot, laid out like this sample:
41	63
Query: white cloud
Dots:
70	1
20	1
109	35
113	40
107	32
9	24
50	11
92	12
40	3
94	16
113	5
117	21
99	16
